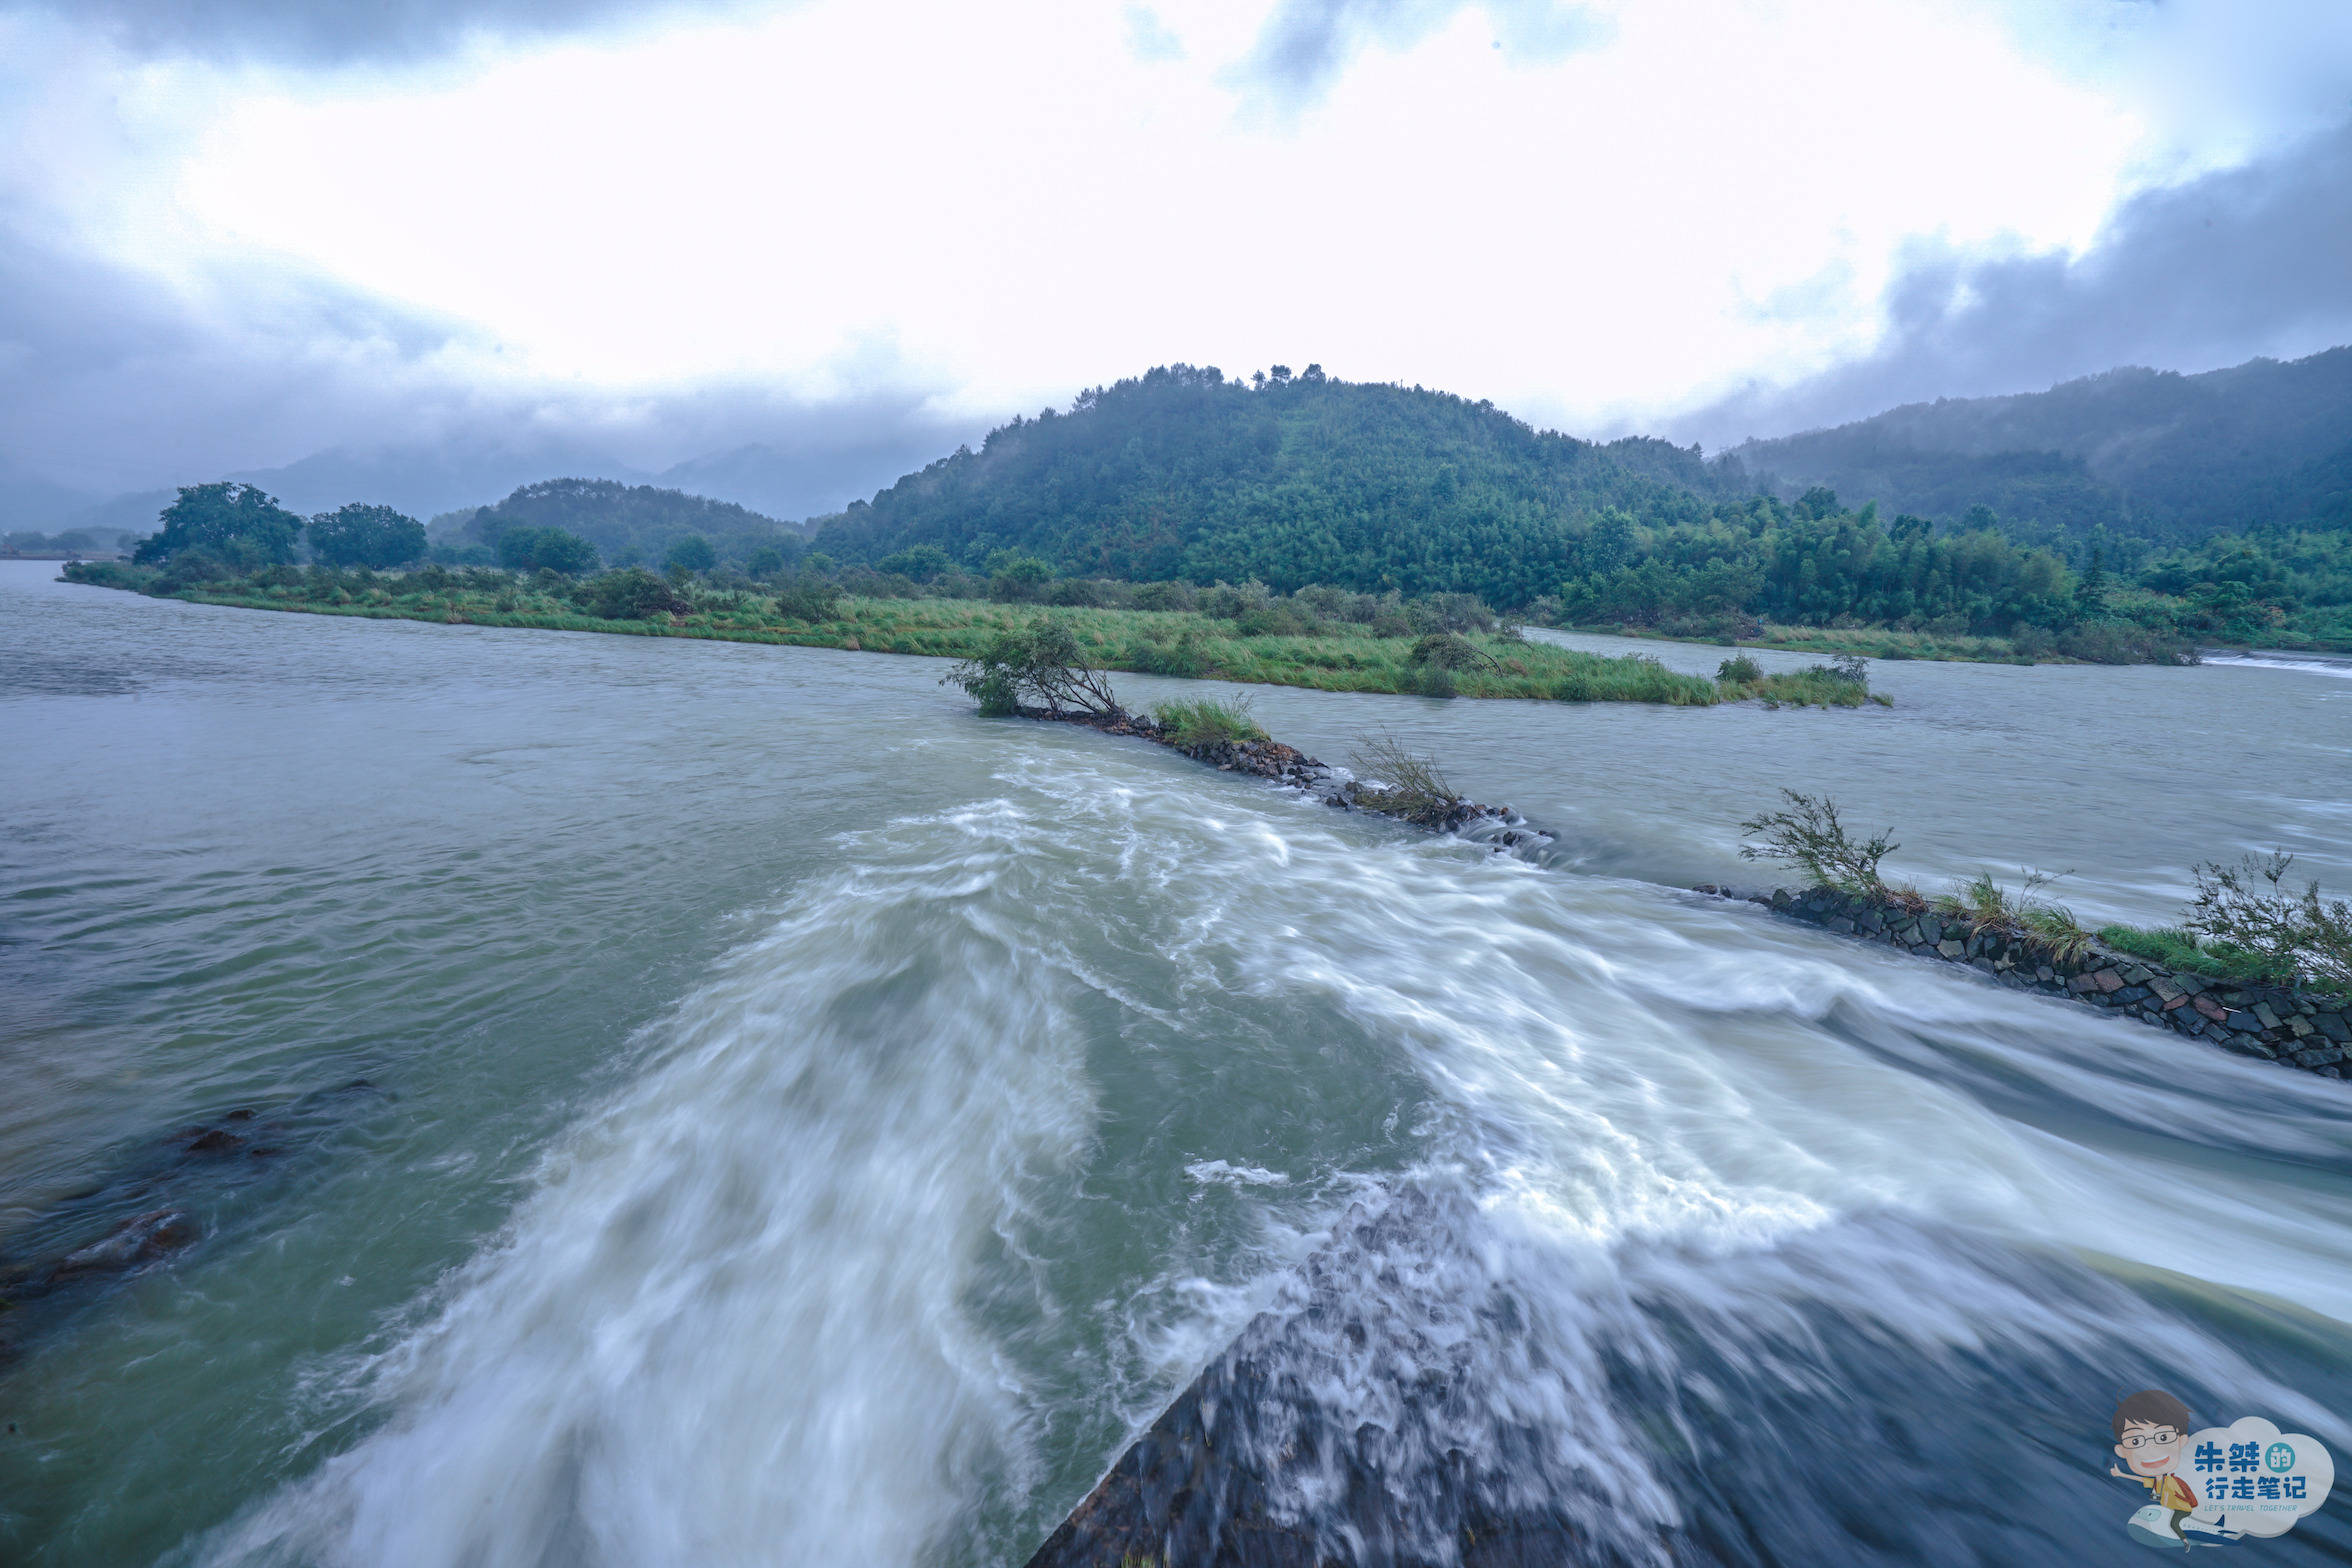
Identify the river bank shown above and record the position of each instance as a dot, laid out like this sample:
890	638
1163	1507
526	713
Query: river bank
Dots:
2294	1026
1334	656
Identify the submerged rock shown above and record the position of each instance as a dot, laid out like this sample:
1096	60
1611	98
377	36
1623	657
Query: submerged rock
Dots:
140	1239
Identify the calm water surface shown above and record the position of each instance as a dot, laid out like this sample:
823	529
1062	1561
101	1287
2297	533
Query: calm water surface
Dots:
729	1105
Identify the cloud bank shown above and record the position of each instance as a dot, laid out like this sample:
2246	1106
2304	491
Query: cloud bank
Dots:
2249	261
341	32
1305	45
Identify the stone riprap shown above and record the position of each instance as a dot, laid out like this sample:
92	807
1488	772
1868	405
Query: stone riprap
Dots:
1502	828
2311	1030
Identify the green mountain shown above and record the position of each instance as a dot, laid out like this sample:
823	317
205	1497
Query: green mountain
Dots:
626	523
1301	480
2167	457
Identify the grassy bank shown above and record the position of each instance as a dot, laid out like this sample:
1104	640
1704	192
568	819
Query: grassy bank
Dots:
1334	656
1870	642
2252	922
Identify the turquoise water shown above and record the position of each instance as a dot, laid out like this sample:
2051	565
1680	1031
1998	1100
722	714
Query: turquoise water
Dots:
733	1106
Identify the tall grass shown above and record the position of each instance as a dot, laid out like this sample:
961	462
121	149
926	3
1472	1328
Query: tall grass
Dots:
1207	722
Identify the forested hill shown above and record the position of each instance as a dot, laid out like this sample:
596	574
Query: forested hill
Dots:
1302	480
2151	453
626	523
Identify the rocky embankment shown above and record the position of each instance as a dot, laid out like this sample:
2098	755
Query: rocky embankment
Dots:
1294	769
1267	1460
2311	1030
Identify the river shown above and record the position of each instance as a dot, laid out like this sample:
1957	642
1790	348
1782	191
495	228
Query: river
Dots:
731	1105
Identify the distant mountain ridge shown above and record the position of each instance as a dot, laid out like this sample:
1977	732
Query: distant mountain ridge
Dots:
426	480
2158	453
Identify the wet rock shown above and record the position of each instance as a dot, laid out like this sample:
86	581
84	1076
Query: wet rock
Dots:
141	1239
2309	1030
1358	1424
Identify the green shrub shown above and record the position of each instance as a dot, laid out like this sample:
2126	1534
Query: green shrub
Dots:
1203	722
1739	670
1810	837
2249	906
1448	651
630	594
1164	596
808	597
1187	657
1393	778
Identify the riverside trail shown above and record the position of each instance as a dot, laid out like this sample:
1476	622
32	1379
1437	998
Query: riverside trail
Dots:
808	1123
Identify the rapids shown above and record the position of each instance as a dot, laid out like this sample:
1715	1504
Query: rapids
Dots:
804	1123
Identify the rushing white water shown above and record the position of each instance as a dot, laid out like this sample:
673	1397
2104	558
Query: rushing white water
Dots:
736	1322
809	1125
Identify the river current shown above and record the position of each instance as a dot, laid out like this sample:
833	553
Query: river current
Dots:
730	1105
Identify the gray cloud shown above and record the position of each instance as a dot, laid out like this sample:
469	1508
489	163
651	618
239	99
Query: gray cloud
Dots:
109	383
2249	261
1306	44
335	32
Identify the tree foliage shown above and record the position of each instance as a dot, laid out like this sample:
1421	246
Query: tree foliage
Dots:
1041	660
634	523
361	535
630	594
692	554
235	522
1809	836
545	550
2156	454
1183	474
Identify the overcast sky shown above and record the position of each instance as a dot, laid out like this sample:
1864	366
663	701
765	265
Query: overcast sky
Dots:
233	232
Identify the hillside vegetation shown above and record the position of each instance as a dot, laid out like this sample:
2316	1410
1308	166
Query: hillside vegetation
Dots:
627	524
1303	480
2139	453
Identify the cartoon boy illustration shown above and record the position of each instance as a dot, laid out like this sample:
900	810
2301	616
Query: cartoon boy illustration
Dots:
2151	1427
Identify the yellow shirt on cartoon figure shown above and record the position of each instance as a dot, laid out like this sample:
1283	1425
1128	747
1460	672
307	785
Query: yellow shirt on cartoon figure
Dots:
2171	1491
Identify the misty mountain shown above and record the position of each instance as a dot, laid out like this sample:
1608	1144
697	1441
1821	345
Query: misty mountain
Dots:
807	479
2155	453
426	479
1183	473
627	523
29	502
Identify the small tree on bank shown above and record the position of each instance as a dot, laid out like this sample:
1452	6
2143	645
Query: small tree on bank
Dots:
1809	836
2252	907
1041	660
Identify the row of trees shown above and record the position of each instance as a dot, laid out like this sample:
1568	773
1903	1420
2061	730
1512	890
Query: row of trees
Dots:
245	528
241	528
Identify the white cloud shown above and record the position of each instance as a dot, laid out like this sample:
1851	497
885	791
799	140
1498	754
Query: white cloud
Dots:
1002	204
1008	196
